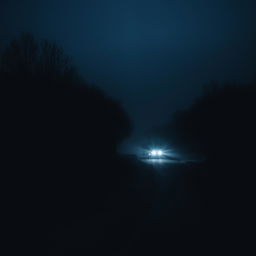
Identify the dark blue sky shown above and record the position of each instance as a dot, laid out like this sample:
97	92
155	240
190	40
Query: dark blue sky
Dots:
152	55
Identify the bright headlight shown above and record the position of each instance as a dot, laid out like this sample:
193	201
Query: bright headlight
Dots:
159	152
156	152
153	152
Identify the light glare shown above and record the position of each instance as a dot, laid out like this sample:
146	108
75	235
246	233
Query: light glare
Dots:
153	152
156	152
159	152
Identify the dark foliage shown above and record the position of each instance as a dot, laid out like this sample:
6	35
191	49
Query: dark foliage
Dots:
60	138
214	209
46	97
220	124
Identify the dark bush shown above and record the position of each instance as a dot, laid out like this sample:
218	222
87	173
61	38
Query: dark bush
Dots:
59	140
51	109
220	124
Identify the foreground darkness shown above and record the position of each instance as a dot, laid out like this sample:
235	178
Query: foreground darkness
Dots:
68	192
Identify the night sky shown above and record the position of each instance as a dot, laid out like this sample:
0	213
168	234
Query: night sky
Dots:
152	55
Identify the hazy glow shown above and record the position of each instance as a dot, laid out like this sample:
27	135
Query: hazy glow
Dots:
159	152
153	153
156	152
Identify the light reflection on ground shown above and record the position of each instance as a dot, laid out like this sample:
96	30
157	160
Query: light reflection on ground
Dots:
160	161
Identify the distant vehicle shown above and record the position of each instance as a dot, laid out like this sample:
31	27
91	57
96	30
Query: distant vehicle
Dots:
156	153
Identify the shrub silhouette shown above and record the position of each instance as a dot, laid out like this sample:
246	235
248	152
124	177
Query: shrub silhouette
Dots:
60	136
220	124
49	103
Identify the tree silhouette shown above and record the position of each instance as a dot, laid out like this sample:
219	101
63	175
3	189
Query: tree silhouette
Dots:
43	86
27	58
60	137
220	124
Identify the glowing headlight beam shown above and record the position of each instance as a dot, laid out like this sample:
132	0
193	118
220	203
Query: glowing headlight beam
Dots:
156	152
159	152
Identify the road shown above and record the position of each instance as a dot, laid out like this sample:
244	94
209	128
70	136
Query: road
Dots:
144	217
167	215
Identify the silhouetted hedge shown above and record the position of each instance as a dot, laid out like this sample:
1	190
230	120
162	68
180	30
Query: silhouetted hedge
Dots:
220	123
50	108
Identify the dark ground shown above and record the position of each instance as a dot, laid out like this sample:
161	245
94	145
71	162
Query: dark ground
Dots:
155	218
174	209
